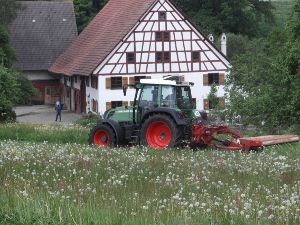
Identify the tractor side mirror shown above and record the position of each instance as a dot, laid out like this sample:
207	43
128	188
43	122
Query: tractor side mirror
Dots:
125	90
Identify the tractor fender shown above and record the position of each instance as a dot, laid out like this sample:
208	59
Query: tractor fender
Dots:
116	128
171	112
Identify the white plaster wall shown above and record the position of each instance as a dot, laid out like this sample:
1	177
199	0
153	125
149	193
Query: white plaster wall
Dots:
199	91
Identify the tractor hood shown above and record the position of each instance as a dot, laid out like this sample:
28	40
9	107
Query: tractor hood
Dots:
119	114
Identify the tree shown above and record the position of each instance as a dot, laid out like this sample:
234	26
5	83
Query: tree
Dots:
264	82
86	10
234	16
7	55
8	11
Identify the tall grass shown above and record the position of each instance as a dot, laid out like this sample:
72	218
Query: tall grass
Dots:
44	133
44	183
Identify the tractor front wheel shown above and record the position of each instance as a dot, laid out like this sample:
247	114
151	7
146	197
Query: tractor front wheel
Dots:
159	132
102	136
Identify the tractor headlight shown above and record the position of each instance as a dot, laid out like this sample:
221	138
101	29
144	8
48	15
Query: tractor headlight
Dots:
197	113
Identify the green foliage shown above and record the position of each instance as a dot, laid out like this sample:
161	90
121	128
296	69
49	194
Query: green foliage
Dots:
8	11
264	81
89	120
7	55
8	89
233	16
86	10
15	88
212	97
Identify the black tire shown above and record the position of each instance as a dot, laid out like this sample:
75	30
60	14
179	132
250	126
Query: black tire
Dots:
166	121
102	135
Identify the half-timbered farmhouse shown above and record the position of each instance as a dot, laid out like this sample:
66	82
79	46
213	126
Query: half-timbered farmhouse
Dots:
40	33
133	39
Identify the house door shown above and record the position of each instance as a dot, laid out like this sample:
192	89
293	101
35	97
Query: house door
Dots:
83	96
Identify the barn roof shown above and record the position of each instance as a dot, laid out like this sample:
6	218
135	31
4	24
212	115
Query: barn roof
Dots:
41	32
101	36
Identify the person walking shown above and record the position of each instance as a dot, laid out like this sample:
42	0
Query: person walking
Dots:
58	108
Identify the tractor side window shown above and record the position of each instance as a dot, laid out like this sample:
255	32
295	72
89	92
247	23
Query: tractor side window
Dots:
149	96
184	99
168	96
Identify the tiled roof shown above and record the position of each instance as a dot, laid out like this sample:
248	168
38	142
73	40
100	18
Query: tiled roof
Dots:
100	37
41	32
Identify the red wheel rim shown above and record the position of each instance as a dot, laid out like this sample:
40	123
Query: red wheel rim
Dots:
101	138
158	135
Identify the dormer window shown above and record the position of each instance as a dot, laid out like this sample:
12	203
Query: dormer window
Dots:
162	16
130	57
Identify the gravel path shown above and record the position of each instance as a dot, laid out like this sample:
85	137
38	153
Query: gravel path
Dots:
43	114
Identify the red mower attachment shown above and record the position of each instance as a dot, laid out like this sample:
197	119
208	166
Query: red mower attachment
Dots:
224	138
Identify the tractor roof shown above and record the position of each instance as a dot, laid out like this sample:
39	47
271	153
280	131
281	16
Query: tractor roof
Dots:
163	82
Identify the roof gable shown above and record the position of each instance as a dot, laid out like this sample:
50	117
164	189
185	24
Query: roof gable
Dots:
184	39
101	36
41	32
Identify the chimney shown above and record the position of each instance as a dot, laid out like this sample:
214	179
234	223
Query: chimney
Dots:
211	38
224	44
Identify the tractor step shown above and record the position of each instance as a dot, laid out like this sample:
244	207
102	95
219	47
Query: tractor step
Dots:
134	139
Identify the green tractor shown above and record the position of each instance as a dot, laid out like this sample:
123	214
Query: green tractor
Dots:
161	117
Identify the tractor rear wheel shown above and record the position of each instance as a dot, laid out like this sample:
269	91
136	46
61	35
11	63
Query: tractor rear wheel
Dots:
102	136
160	132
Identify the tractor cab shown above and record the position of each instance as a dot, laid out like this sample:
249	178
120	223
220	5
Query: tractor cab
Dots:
153	94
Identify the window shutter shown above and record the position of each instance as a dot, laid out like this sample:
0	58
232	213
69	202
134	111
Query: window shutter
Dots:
131	81
125	103
222	103
206	104
108	105
205	79
221	78
124	81
108	83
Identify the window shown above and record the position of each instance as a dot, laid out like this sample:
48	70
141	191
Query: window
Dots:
115	104
158	57
213	78
166	36
162	16
75	79
162	36
116	83
94	82
166	57
130	57
162	57
95	105
168	96
196	56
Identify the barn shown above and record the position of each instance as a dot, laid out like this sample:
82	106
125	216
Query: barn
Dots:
133	39
40	33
